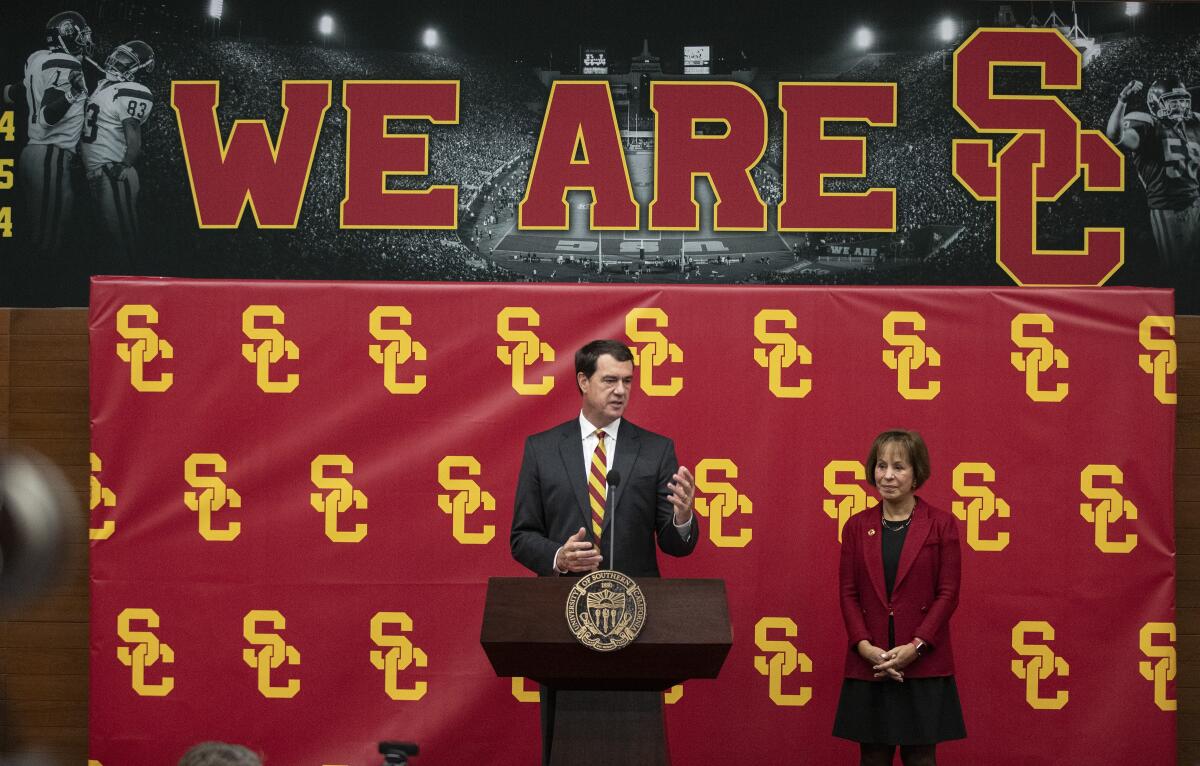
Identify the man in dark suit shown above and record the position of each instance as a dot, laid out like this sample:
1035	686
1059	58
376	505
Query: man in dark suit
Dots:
564	520
556	529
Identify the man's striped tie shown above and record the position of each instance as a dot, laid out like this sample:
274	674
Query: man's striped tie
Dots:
597	483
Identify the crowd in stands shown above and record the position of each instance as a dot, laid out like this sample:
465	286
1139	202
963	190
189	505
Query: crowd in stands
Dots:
496	124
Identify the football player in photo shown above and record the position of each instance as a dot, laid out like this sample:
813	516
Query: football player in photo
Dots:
1165	148
112	143
55	91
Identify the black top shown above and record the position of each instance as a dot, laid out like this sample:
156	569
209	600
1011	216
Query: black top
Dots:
893	543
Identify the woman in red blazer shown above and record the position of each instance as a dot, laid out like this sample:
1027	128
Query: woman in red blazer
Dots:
899	578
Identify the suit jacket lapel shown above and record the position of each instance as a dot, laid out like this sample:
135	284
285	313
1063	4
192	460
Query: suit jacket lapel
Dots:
629	441
571	450
873	549
918	530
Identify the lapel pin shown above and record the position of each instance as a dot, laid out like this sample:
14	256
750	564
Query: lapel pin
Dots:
871	532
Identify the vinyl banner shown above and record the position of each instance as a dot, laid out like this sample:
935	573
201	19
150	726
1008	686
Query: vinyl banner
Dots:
299	491
761	142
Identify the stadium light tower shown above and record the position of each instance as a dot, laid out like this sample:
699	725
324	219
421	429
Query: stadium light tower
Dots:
864	38
947	30
430	38
325	27
215	10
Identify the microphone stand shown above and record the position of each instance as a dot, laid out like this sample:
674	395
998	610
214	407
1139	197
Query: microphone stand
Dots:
613	480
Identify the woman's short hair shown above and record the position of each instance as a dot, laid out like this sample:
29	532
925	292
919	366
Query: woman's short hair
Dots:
219	754
914	448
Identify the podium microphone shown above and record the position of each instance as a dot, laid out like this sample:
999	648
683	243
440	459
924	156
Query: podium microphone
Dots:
613	480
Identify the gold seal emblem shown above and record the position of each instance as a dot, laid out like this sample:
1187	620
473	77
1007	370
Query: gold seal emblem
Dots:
606	610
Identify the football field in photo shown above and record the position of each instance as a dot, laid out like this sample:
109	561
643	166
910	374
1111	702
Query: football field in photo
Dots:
582	250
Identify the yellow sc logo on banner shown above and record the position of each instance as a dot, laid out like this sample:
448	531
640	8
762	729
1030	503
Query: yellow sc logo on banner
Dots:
147	651
342	496
723	502
983	505
780	353
274	652
656	352
399	350
271	348
214	496
848	498
1109	509
522	694
529	349
1041	665
399	656
466	500
1041	357
782	660
1163	359
1164	665
146	347
99	496
913	354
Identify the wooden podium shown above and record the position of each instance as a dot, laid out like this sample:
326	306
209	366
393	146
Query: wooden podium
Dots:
608	705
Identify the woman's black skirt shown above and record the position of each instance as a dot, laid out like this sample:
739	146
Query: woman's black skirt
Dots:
919	711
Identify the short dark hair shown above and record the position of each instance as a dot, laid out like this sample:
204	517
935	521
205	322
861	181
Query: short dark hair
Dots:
586	357
219	754
913	446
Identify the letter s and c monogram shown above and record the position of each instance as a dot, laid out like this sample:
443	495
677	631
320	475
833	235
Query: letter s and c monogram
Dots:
272	348
399	656
467	498
781	352
529	349
1111	507
725	501
274	652
214	496
147	651
984	504
342	496
1165	663
1163	361
1041	162
1041	357
1042	664
853	498
782	659
656	352
913	354
99	496
399	350
147	346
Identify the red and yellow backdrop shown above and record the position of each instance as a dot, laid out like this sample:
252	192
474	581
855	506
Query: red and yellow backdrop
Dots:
299	491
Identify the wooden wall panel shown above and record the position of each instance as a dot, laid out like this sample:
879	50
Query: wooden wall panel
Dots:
5	415
44	646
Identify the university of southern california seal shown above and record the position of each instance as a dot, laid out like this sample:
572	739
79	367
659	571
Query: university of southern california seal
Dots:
606	610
